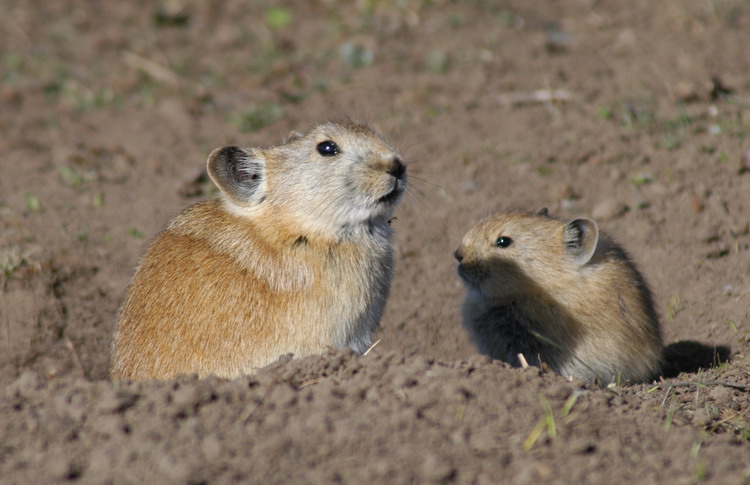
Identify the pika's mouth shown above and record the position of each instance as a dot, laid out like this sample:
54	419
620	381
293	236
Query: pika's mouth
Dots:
394	194
470	274
465	275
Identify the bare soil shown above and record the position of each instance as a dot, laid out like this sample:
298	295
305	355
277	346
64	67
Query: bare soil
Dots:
634	113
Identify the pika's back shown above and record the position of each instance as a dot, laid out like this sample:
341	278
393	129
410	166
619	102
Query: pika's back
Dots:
559	289
294	257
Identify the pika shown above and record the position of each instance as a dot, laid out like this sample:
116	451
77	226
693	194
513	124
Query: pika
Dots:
294	256
560	293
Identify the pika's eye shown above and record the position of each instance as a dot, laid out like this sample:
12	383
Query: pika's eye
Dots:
328	148
503	242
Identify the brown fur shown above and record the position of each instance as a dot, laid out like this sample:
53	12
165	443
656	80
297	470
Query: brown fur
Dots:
560	293
295	257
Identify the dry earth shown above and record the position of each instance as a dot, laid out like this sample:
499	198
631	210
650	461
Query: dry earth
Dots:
109	110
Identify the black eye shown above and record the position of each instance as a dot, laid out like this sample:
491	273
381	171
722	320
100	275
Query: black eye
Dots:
503	242
328	148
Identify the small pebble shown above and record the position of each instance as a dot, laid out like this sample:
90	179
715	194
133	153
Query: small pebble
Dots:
701	417
720	394
686	91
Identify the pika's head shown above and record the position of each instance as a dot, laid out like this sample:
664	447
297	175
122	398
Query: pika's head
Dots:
512	252
336	176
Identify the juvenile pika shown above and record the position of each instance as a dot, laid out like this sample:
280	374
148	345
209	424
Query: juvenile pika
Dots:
559	293
295	256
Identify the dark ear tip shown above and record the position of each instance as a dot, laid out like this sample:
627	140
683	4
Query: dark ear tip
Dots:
224	157
542	211
229	152
587	226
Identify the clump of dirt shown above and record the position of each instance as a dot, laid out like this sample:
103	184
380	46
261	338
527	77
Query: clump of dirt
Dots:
636	115
345	418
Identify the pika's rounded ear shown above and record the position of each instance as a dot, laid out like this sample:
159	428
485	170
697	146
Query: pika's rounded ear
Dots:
581	237
292	136
542	211
239	173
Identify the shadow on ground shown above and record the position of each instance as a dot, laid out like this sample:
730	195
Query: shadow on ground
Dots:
691	356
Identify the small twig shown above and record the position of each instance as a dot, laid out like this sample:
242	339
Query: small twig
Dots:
537	96
14	25
727	420
666	395
310	382
7	333
371	347
553	110
153	69
732	385
522	359
245	417
76	357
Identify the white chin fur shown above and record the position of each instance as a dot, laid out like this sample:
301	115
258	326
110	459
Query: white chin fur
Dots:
349	217
353	216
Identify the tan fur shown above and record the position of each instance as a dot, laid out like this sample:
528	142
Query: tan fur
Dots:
295	257
584	309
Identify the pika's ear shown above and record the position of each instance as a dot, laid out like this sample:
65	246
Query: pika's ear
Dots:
239	173
581	237
542	211
292	136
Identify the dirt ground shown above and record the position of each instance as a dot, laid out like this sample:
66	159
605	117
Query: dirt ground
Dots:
634	113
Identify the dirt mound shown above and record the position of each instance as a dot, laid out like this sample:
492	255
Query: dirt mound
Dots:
383	417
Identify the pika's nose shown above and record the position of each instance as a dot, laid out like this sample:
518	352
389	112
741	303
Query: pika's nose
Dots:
459	254
397	169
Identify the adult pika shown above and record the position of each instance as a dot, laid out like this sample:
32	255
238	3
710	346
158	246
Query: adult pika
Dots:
560	293
295	256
